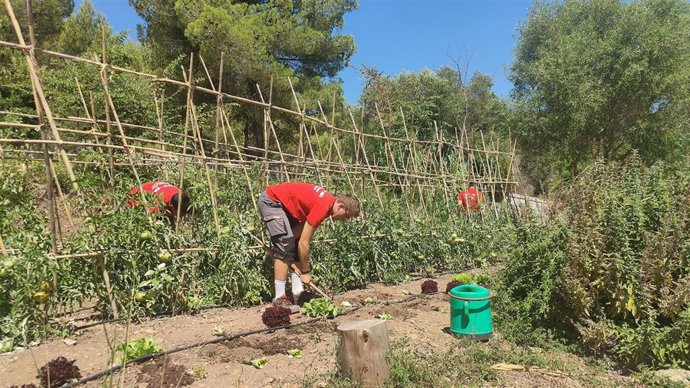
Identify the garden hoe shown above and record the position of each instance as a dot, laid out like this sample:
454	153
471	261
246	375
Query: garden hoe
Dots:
294	269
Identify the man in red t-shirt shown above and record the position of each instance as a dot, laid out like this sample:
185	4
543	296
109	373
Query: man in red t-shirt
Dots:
468	200
166	199
292	212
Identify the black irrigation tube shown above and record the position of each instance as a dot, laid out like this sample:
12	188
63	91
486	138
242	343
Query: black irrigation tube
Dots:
115	368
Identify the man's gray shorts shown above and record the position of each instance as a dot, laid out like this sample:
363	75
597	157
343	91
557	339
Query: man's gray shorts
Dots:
277	221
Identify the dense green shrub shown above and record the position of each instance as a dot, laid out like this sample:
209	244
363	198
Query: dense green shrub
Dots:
612	265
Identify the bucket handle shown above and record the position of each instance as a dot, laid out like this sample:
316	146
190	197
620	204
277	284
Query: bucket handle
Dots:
491	295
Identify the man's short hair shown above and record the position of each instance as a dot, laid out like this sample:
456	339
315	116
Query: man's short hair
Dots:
351	204
185	206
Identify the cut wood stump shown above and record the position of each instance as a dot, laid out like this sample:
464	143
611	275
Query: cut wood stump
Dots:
362	352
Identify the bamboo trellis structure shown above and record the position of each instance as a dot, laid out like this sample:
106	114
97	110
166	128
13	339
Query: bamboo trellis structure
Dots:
365	163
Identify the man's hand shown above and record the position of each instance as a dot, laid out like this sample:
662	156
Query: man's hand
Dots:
305	278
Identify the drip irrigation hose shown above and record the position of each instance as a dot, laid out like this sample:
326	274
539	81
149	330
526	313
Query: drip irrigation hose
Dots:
115	368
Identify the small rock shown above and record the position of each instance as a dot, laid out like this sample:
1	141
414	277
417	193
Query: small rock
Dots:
677	375
69	342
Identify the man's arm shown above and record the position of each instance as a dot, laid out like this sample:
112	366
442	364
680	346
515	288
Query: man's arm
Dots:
303	246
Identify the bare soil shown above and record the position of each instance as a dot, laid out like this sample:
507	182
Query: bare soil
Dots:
163	373
420	321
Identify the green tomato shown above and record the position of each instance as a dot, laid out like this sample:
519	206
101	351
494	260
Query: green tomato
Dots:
164	257
145	236
40	297
225	230
251	228
140	296
45	287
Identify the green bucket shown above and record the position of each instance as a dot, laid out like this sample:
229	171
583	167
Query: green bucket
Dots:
470	311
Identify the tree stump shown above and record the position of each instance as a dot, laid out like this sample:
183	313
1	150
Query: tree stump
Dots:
362	352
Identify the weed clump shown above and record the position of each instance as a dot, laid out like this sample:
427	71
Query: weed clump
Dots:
452	284
429	287
276	316
58	372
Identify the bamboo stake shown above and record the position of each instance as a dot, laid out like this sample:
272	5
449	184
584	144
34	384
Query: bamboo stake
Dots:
266	143
219	102
187	120
95	130
46	159
413	153
86	109
100	260
300	150
275	135
337	150
250	189
108	129
366	160
303	127
60	194
488	168
195	128
128	151
440	161
159	116
2	247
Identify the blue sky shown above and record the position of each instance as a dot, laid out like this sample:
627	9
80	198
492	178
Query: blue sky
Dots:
409	35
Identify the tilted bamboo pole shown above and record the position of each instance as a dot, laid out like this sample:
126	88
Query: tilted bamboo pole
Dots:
337	150
275	135
366	160
108	129
195	129
39	110
128	151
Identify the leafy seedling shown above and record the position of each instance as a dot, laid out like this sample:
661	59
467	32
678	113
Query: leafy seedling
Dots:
294	353
369	300
259	363
218	331
345	304
384	317
135	349
320	307
463	278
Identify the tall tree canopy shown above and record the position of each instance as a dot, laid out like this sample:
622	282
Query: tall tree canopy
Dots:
444	96
603	78
259	39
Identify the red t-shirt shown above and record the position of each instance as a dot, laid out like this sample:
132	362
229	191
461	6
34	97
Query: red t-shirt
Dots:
304	201
470	199
162	191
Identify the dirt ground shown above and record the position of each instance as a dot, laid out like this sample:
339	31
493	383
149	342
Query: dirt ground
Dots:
421	321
